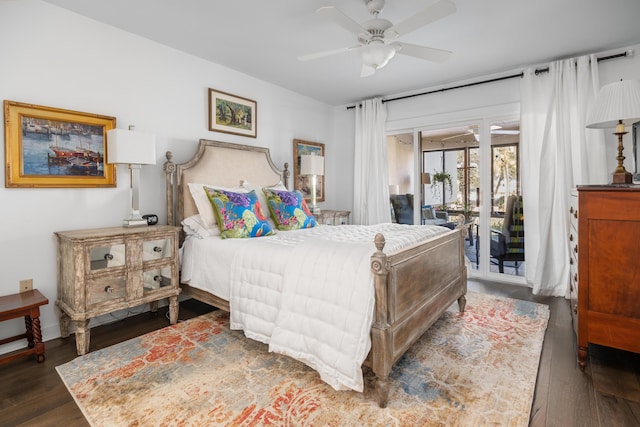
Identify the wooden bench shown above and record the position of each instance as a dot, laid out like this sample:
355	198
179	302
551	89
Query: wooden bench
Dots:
25	304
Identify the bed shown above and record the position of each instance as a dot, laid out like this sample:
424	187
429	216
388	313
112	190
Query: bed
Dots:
411	287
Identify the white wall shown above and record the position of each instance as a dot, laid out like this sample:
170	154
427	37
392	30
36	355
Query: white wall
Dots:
52	57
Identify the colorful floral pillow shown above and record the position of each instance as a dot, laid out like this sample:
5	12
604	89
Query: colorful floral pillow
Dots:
238	214
289	209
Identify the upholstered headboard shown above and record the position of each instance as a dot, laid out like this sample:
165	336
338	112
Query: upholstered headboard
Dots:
218	163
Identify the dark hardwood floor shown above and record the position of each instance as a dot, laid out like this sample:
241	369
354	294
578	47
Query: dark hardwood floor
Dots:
606	394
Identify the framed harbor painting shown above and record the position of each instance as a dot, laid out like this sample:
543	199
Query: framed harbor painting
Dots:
52	147
232	114
302	182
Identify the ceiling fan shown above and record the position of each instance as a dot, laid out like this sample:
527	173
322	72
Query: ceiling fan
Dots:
375	37
495	130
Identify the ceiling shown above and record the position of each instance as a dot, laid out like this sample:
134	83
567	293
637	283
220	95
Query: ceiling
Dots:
264	38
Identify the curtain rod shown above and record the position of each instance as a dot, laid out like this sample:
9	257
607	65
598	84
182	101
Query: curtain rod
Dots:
497	79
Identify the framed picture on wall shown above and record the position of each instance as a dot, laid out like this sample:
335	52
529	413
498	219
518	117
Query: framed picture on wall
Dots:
232	114
303	182
52	147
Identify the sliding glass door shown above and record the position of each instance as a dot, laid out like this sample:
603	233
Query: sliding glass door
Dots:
457	170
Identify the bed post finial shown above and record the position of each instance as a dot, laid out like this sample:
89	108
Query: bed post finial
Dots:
285	174
170	170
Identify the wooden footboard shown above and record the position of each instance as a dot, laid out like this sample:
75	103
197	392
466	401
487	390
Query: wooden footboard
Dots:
413	289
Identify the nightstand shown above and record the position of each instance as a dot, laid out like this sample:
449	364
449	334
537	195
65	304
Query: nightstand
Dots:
107	269
329	217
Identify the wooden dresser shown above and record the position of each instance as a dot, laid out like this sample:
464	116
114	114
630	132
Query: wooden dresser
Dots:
107	269
608	257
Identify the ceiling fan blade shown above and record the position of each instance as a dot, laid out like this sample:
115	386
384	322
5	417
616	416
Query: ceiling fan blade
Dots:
469	132
422	52
431	14
341	19
324	53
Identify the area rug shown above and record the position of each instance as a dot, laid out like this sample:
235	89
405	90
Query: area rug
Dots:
470	369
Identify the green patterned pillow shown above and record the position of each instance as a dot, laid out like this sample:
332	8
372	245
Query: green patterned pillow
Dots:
289	209
238	214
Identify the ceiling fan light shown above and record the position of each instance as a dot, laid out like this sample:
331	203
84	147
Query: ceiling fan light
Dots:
377	54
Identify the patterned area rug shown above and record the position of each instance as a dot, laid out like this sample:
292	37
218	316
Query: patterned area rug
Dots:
476	368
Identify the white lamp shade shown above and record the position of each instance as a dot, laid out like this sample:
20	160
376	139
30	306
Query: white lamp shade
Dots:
311	165
616	101
131	147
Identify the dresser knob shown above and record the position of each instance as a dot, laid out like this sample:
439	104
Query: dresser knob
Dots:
575	214
571	261
571	237
108	257
571	209
108	289
575	249
575	278
157	249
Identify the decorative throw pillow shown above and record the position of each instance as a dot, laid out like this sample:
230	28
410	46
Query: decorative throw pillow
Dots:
259	191
289	209
203	204
238	214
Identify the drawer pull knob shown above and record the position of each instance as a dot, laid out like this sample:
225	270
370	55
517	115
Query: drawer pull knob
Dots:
157	249
575	278
571	261
575	214
575	249
571	209
108	257
157	278
108	289
571	237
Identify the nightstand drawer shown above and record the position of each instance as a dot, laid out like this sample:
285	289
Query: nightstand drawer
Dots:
156	249
104	290
107	256
155	279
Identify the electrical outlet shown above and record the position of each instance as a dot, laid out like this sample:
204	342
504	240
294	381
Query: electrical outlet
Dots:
26	285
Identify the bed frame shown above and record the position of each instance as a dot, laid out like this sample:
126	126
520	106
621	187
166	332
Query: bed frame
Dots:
413	288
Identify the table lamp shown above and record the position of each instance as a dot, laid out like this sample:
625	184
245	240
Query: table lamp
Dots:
135	149
617	105
312	166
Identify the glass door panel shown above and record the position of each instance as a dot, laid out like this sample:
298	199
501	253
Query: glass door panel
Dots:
507	218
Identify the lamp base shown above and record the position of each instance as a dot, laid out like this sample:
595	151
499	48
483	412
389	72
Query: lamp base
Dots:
622	178
130	222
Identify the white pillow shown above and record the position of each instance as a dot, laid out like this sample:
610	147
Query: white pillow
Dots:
203	204
193	226
261	197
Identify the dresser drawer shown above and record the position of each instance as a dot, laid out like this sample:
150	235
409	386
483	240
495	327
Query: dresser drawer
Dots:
157	249
155	279
103	256
106	290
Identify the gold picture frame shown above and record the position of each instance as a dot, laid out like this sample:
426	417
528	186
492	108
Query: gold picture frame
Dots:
301	182
232	114
55	148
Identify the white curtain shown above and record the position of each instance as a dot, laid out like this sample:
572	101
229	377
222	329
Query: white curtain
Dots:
370	171
558	153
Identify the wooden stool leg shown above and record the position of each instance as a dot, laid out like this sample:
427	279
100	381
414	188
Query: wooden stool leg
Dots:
37	339
28	324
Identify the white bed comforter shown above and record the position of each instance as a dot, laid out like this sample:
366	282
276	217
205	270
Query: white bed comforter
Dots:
311	297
